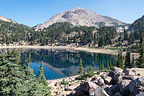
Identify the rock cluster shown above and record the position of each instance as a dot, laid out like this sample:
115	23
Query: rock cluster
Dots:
116	83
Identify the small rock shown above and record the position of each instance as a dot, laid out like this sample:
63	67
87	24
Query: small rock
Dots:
107	79
100	82
103	75
95	79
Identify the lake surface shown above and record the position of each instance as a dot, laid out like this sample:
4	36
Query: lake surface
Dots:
63	63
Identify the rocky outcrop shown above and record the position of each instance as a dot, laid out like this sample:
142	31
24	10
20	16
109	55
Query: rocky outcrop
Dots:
113	83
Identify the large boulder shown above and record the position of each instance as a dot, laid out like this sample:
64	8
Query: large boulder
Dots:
99	92
117	79
130	77
117	70
130	72
136	86
124	87
85	88
113	89
116	74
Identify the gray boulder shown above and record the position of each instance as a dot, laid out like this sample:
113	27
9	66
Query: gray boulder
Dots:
124	87
117	79
130	77
100	82
113	89
85	88
130	72
99	92
117	70
136	86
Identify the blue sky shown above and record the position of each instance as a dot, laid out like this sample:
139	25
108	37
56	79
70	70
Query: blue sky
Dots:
33	12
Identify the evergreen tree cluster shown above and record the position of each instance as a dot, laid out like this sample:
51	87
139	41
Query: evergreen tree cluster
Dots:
18	80
105	35
128	63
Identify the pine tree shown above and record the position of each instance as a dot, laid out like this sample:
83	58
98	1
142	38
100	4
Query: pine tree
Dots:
41	76
89	70
81	69
110	64
28	70
28	61
108	67
127	60
18	58
120	60
141	58
125	35
102	66
133	62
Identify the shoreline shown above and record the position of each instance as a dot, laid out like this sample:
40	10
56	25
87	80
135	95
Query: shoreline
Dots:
91	50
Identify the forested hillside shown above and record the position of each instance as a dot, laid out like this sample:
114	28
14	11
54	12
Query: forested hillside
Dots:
64	33
137	27
11	33
60	33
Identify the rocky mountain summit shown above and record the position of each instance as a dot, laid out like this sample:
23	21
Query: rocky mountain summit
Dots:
81	17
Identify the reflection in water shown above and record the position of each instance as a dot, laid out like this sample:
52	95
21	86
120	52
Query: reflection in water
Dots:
63	63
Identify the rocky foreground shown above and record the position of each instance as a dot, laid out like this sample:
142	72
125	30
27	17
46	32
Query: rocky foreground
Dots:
128	82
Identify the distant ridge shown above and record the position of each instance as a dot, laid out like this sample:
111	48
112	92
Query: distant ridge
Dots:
81	17
6	20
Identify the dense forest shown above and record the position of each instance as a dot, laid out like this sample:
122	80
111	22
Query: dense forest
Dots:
64	33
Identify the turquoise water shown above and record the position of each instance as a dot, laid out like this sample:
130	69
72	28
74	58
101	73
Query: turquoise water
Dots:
64	63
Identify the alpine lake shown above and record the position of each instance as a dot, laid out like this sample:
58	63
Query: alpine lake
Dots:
60	63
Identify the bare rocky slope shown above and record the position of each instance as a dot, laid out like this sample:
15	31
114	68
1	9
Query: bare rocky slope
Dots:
7	20
81	17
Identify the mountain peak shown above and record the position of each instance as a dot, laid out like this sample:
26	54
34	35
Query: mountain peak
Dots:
81	17
77	8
